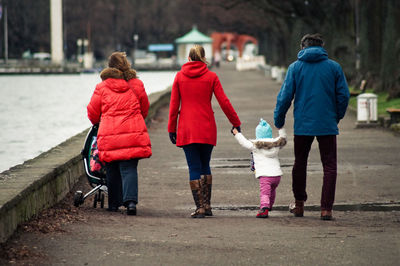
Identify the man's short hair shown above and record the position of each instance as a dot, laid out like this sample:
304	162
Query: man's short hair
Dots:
311	40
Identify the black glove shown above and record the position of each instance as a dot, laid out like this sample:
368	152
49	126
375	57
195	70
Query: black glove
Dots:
238	129
172	137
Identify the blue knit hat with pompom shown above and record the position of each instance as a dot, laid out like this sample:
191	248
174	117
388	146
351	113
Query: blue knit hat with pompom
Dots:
263	130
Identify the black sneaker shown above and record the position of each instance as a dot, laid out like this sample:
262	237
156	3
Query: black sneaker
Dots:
112	209
131	208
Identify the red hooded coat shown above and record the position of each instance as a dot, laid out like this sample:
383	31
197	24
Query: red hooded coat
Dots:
120	107
191	96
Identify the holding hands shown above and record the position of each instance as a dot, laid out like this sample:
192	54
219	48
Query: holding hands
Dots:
235	130
172	135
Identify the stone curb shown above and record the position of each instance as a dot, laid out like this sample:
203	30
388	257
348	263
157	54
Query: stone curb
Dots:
39	183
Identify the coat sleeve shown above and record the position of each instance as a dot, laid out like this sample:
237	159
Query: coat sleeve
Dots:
244	142
282	133
174	105
143	99
342	94
225	104
284	99
94	106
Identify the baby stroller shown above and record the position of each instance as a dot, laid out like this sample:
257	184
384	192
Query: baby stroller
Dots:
95	171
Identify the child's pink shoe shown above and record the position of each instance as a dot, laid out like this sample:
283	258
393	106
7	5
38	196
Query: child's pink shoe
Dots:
262	213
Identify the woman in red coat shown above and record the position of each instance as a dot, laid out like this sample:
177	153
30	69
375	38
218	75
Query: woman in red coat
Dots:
196	130
120	104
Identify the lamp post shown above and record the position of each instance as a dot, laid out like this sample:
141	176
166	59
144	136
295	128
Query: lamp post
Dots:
79	43
135	40
85	46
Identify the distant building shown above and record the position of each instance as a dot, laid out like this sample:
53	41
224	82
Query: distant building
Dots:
187	41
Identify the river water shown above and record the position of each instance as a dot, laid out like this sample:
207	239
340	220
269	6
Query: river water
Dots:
38	112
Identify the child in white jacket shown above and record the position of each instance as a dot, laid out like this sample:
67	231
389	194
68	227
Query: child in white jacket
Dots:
265	151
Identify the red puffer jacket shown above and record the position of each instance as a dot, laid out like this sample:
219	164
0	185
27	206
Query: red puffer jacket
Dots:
191	96
121	111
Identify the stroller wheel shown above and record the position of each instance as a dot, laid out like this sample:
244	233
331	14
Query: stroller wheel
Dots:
78	198
102	201
95	201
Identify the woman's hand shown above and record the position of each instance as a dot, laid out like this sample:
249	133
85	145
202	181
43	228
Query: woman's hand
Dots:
235	130
172	137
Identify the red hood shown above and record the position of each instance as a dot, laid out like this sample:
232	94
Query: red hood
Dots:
194	69
117	85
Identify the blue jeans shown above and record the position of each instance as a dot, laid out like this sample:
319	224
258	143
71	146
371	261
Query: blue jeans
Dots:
122	182
198	158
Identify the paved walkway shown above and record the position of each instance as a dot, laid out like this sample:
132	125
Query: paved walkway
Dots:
366	230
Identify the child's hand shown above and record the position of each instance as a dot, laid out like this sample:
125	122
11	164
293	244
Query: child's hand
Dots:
237	130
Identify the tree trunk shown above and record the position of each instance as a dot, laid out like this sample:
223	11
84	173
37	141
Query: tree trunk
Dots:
390	71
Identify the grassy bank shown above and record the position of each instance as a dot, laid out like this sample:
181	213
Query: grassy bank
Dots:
383	104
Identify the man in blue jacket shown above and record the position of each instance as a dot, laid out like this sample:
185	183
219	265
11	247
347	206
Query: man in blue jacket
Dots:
319	89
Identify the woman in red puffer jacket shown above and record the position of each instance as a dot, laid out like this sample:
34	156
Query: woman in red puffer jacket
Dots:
120	104
196	130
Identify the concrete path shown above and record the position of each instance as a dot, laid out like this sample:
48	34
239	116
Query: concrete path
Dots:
366	230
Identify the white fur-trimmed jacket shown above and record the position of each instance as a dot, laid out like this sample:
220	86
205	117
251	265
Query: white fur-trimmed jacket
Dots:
265	153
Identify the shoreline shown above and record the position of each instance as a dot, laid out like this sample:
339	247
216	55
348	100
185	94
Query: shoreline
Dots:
36	152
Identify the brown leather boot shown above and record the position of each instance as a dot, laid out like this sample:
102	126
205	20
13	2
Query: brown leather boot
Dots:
326	215
195	186
206	183
297	208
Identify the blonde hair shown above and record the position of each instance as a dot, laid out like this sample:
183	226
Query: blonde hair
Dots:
197	53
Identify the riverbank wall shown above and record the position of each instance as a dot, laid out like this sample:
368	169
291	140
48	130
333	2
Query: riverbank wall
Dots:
39	183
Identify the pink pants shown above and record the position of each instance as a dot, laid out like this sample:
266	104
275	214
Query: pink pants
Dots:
268	185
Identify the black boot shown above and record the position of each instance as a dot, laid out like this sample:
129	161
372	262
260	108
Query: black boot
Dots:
206	183
195	186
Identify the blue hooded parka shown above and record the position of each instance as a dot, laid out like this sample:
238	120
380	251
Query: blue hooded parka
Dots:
320	93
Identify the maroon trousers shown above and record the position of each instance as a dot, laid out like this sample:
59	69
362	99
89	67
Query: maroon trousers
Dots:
327	150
